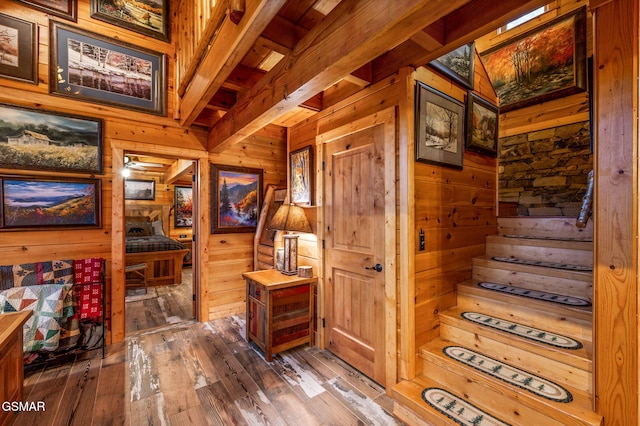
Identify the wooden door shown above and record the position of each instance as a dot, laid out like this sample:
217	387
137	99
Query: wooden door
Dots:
354	216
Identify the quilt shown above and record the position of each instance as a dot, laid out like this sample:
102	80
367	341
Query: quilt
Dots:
26	274
52	306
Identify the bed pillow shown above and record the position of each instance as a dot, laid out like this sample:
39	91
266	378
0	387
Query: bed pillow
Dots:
139	229
157	227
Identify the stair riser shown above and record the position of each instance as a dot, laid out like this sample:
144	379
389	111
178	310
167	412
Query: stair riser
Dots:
516	407
544	227
543	366
545	283
487	262
534	317
544	254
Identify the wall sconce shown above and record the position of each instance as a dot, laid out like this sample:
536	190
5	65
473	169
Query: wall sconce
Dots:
290	217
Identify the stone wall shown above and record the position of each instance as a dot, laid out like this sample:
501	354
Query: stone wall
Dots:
544	172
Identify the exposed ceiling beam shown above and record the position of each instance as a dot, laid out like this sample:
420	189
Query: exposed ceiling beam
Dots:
326	54
177	170
228	49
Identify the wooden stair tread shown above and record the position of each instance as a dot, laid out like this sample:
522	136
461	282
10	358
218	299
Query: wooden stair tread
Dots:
488	262
462	379
544	226
541	242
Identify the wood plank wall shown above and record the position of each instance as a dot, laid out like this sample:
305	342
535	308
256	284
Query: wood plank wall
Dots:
129	130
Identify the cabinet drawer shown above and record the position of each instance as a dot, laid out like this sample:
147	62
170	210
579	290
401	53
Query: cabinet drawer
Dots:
256	291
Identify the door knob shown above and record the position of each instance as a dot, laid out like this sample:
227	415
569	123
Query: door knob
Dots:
377	267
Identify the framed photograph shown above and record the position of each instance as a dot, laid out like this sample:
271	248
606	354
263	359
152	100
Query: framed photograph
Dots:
44	140
139	189
236	200
300	163
67	9
93	68
458	64
439	127
18	49
540	65
482	125
30	203
183	206
148	17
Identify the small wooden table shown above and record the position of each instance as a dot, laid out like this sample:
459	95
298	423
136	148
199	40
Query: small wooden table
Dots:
11	360
279	310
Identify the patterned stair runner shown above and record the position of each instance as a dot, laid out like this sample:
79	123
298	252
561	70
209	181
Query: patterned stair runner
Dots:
457	409
534	237
565	266
534	294
509	374
531	333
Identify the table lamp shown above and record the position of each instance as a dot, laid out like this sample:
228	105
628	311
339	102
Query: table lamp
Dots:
290	218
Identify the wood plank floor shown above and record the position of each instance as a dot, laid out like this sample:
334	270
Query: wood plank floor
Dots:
204	374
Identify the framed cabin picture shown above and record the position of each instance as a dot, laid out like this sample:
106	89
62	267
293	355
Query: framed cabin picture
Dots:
33	139
67	9
439	122
183	207
90	67
41	203
482	125
300	163
546	63
458	64
236	199
139	189
148	17
18	49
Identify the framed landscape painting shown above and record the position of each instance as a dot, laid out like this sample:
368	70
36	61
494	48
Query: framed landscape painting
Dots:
67	9
540	65
139	189
439	127
236	200
482	125
44	140
30	203
301	177
90	67
149	17
183	210
458	64
18	49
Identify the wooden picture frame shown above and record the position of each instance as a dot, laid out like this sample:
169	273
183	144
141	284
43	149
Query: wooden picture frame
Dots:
553	59
152	21
18	49
482	125
45	203
439	122
67	9
45	140
113	83
301	181
139	189
458	64
236	199
183	207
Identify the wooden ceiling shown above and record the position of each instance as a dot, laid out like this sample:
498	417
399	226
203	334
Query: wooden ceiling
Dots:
288	54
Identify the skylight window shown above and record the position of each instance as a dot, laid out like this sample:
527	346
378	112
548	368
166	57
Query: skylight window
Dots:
525	18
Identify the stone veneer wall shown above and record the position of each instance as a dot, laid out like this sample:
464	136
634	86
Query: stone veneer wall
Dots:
545	172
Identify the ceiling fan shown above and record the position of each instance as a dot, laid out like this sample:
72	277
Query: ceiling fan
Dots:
134	163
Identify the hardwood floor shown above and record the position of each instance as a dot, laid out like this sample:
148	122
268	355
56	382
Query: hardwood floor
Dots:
204	374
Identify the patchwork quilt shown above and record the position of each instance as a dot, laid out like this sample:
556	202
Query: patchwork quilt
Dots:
88	287
38	273
52	306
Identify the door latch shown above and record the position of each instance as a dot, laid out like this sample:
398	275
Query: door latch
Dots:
377	267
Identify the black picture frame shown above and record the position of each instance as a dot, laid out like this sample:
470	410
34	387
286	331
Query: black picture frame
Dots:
183	206
482	125
125	14
556	55
33	139
18	49
236	198
106	84
140	189
458	64
66	9
47	203
301	180
439	127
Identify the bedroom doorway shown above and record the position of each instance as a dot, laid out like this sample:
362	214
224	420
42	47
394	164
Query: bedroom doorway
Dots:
159	207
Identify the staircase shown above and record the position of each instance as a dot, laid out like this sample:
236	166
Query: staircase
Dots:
517	348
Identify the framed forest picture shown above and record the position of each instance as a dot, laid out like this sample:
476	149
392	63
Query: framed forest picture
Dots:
236	199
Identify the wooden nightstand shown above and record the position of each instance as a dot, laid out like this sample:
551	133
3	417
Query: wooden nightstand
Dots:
11	360
279	310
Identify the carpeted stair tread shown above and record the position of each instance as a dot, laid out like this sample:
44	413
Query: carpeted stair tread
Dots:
458	409
489	262
535	294
543	264
549	237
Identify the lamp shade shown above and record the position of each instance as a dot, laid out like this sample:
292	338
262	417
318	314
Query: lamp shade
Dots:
290	217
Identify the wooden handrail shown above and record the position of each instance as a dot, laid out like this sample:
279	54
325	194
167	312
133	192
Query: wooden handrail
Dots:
587	204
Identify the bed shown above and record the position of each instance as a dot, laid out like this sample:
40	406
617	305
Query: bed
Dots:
146	242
